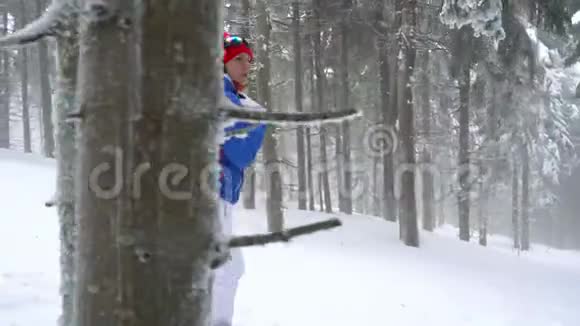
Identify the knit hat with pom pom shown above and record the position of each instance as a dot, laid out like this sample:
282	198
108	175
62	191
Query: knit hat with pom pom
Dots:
234	45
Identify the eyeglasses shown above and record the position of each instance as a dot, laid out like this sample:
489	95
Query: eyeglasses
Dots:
235	41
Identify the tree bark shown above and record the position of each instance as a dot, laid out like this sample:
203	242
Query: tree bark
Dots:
46	91
309	163
249	191
338	144
311	202
320	195
463	199
298	97
374	195
386	71
273	174
483	212
399	86
24	85
65	153
427	189
408	209
149	84
320	81
5	100
445	104
346	186
515	205
525	240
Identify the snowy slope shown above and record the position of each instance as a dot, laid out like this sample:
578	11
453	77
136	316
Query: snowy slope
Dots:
359	274
28	241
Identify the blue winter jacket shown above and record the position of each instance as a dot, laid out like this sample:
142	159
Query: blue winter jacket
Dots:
237	153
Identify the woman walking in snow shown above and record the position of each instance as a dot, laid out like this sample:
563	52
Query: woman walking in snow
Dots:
236	154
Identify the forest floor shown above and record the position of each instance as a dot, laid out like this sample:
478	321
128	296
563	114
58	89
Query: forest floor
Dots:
359	274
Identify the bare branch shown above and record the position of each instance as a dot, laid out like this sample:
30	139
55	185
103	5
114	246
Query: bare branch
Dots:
280	83
45	25
284	236
277	21
74	116
431	43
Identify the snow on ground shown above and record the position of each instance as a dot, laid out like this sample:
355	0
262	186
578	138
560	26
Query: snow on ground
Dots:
359	274
29	269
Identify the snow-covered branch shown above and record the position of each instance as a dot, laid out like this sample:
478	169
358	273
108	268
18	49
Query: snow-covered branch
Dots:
275	118
233	112
431	43
484	16
284	236
45	25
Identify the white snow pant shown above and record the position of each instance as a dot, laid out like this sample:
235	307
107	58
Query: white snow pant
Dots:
227	276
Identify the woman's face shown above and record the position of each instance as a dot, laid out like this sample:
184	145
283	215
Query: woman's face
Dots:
239	68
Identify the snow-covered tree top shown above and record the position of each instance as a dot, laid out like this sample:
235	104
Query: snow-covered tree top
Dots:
576	18
483	15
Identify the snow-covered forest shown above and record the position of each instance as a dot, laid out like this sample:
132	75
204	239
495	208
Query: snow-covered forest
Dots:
489	125
436	140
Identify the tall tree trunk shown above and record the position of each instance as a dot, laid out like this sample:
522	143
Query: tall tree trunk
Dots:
65	153
346	187
374	194
408	207
320	81
298	75
145	249
445	105
273	174
515	205
311	203
385	75
463	159
320	193
97	252
249	191
488	184
333	102
24	86
483	212
427	189
46	92
525	240
311	189
5	100
338	151
246	31
246	13
400	84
